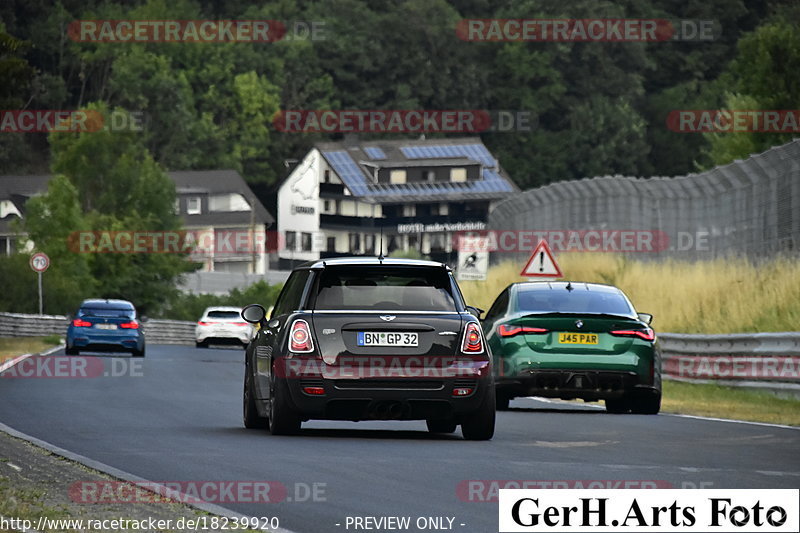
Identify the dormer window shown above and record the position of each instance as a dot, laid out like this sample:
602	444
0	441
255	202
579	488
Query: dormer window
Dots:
193	205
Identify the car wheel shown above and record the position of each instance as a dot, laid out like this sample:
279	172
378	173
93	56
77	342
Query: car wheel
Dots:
199	344
502	401
138	353
72	351
618	406
480	425
250	416
647	404
282	420
441	426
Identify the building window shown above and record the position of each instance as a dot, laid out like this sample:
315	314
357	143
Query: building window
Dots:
397	176
369	244
437	241
458	174
326	176
331	244
291	240
409	210
430	175
434	209
176	207
444	209
193	205
355	243
305	241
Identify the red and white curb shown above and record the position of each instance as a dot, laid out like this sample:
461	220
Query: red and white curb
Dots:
18	359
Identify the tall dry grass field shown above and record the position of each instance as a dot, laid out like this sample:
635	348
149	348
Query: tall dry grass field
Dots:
720	296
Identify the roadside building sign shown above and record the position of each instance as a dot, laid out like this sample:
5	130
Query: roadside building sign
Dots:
473	259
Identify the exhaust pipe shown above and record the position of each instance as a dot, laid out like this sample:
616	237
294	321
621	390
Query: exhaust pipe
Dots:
396	411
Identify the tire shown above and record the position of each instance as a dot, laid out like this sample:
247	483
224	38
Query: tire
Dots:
618	406
250	416
72	351
138	353
441	426
198	344
282	419
480	425
502	401
647	404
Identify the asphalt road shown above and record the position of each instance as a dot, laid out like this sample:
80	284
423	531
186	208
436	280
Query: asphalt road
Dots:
176	416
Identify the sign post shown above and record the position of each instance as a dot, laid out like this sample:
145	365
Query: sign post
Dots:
542	263
39	263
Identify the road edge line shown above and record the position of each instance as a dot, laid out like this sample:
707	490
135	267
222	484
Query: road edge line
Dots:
126	476
18	359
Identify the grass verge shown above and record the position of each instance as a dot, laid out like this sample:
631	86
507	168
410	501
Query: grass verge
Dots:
12	347
729	402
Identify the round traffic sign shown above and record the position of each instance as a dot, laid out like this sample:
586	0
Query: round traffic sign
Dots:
40	262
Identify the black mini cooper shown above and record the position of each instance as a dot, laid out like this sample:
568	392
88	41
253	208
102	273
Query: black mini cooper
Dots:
369	339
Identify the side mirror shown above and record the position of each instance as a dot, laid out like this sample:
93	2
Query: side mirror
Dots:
647	318
254	313
477	311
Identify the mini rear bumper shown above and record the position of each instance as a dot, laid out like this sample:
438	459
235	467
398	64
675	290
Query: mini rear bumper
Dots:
388	399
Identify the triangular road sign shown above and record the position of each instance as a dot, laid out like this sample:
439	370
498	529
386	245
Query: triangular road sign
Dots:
542	264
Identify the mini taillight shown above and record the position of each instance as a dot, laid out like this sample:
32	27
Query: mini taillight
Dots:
79	323
300	337
510	331
646	333
462	391
129	325
473	342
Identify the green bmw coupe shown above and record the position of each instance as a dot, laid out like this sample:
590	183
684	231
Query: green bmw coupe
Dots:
573	340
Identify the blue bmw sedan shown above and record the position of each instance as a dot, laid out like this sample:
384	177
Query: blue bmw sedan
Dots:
105	326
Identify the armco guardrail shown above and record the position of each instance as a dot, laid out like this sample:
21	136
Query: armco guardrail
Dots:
157	331
770	357
744	357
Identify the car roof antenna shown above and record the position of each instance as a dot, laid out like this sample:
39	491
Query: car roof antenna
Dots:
569	286
380	246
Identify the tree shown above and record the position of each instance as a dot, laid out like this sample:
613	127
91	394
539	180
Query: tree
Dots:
765	75
118	187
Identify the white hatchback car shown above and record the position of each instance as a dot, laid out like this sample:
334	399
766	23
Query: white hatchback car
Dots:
222	325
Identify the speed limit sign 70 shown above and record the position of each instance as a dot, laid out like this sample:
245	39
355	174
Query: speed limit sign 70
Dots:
40	262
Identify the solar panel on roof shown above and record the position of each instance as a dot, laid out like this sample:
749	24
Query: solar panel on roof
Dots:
477	152
356	181
374	152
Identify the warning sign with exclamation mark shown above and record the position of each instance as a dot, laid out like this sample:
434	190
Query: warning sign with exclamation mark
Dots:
542	263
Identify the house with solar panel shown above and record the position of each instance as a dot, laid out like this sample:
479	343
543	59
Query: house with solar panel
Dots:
342	195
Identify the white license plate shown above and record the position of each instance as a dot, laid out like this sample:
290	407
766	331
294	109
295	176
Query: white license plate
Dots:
105	326
387	338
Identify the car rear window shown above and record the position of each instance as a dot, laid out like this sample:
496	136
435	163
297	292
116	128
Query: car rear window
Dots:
385	288
106	312
224	314
574	301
